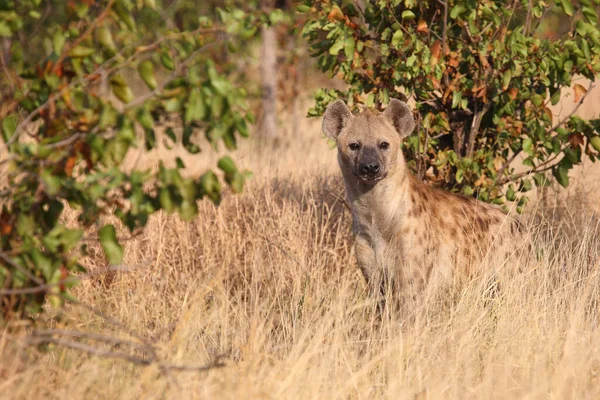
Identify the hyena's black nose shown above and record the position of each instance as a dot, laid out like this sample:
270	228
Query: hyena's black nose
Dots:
369	168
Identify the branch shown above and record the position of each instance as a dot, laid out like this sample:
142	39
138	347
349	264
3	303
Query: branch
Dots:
445	39
104	352
23	270
105	317
360	10
528	18
508	162
49	333
80	39
42	287
475	127
539	168
565	119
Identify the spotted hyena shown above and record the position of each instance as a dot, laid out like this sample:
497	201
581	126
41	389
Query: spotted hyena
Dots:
408	236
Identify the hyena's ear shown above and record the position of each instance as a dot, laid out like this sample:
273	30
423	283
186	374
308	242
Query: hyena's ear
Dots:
336	117
401	117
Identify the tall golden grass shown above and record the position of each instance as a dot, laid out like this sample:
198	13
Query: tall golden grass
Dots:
268	283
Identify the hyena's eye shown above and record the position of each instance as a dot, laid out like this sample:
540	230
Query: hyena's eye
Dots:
384	145
354	146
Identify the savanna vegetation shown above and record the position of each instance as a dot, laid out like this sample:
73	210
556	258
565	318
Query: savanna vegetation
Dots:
138	260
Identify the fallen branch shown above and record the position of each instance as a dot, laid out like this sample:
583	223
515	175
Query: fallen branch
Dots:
41	288
48	337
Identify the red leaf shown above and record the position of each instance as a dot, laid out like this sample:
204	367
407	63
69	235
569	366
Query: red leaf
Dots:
422	26
576	140
436	49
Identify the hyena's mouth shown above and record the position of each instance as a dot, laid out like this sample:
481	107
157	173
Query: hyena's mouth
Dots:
370	179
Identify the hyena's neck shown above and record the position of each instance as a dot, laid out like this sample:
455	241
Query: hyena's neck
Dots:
382	205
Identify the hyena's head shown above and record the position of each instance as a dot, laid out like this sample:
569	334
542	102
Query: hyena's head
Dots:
368	144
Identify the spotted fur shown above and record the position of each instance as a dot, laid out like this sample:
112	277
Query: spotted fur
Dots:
408	235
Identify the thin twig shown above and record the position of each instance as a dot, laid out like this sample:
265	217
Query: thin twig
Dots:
528	18
112	321
475	126
71	279
163	366
445	40
89	349
566	118
508	162
13	264
94	336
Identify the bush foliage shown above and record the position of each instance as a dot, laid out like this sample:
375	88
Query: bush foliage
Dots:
69	116
482	79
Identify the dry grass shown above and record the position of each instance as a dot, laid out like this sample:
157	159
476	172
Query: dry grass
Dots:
269	281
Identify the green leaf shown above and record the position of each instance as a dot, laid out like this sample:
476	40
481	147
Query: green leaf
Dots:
506	77
42	263
70	238
120	89
555	98
5	30
349	48
567	7
146	71
166	200
227	165
408	15
9	126
104	37
186	140
112	248
595	142
196	109
397	38
527	146
188	210
457	10
58	41
561	173
337	46
510	193
52	183
459	175
590	14
456	98
81	51
537	99
167	61
125	14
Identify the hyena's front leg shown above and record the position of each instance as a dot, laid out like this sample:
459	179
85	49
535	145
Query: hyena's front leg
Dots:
372	271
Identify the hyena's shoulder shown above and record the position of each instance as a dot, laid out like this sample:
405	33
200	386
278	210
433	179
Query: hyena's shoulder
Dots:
455	213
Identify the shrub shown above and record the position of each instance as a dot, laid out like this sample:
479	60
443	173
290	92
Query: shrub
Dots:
64	140
482	79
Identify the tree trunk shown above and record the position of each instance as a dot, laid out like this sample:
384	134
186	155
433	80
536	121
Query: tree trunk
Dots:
268	76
